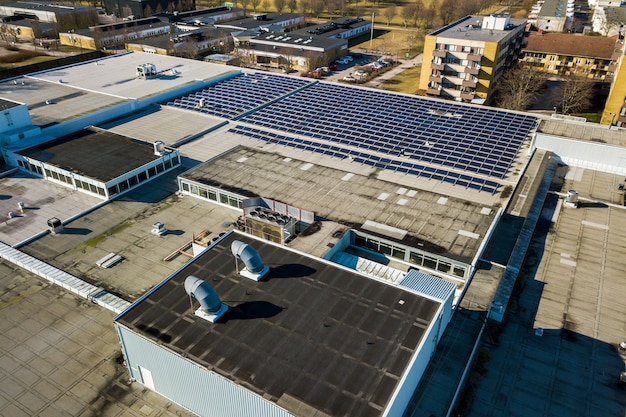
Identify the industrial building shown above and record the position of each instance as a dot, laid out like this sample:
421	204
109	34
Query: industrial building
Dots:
89	160
395	202
309	338
462	61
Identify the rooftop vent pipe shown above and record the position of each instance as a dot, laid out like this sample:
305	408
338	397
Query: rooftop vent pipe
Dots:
255	269
211	307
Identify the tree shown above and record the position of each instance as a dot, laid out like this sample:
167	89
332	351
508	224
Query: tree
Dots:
408	14
280	5
518	88
574	94
447	11
292	4
305	6
255	4
317	7
389	13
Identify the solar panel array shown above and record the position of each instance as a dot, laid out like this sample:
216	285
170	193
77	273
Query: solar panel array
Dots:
480	140
405	167
237	95
413	132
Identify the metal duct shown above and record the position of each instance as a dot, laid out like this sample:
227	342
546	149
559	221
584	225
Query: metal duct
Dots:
204	293
248	255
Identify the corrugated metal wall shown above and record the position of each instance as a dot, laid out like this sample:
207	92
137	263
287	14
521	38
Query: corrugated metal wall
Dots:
189	385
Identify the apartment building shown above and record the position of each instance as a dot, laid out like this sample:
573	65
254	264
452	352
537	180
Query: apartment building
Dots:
462	61
615	107
565	54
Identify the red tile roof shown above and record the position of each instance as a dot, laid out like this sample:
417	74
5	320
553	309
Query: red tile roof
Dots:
572	45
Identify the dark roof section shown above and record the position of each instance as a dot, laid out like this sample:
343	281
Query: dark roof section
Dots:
571	45
7	104
94	153
310	330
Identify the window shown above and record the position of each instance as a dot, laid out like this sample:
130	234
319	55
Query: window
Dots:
185	186
9	118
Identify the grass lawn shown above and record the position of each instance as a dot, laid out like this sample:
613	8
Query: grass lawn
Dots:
591	117
405	82
30	61
395	43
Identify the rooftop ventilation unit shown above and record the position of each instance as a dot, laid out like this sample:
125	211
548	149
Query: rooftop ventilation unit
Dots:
211	307
159	148
255	269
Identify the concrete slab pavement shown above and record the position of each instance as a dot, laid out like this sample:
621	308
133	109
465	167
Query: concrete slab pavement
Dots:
60	356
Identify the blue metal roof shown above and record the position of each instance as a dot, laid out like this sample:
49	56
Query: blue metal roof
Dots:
428	285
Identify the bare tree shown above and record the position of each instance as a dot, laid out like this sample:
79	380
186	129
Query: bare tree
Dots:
244	4
255	4
447	11
292	4
280	5
265	5
389	13
305	6
317	7
518	88
574	94
613	20
408	14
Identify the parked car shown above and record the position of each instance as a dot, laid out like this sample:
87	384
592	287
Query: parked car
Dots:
349	58
359	75
333	66
349	78
342	61
323	70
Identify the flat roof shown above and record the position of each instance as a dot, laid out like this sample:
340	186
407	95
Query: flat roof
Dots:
97	154
470	29
52	101
350	194
294	40
592	132
327	336
116	75
165	123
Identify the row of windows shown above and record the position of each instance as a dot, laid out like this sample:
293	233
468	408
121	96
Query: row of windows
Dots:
415	257
211	194
140	177
33	168
460	48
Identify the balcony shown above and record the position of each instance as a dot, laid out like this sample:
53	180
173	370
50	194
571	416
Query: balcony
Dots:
468	96
612	67
441	53
435	78
433	91
473	71
621	119
436	66
474	57
469	83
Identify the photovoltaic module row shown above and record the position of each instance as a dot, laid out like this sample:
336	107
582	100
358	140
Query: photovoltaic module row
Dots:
405	167
480	140
237	95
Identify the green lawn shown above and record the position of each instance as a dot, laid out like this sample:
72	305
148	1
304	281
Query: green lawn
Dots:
405	82
29	61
